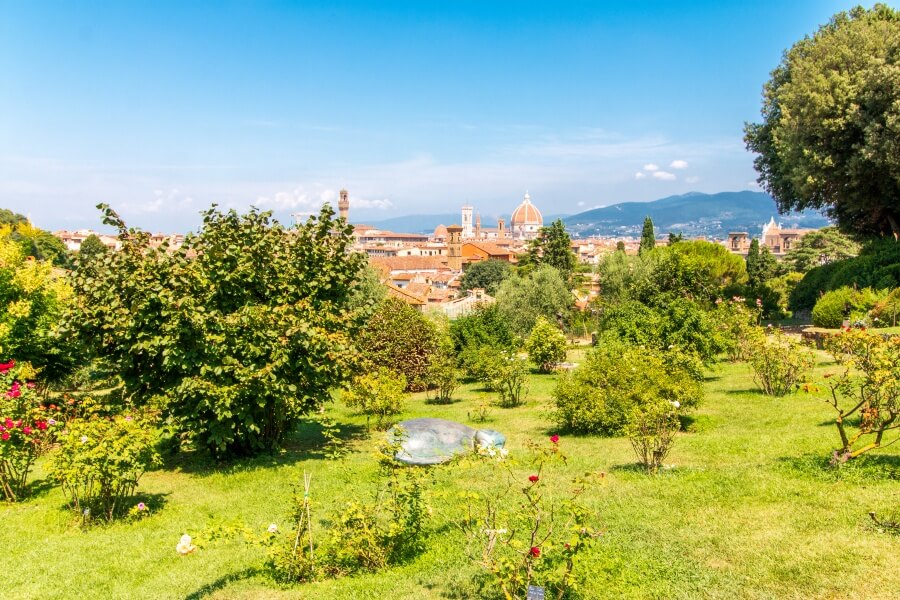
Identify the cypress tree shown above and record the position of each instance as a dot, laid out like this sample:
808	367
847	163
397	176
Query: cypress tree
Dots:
648	238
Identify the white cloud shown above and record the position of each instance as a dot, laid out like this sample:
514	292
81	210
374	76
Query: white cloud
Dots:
679	164
303	200
651	167
663	176
581	203
692	179
163	200
752	184
381	204
639	175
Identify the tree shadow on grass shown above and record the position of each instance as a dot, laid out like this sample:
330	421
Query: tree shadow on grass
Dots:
865	468
39	487
306	442
442	401
154	502
639	469
755	391
223	582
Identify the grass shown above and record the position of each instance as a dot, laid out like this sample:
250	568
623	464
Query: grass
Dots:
748	508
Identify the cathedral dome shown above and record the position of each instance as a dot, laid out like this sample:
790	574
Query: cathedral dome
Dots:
440	232
526	217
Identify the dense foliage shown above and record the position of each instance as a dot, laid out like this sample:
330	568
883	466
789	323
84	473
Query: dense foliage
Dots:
236	334
844	304
546	345
831	123
821	247
400	338
32	300
553	247
34	242
485	274
600	395
680	323
541	293
877	266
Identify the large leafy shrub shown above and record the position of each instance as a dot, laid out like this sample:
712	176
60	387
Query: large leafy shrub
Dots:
399	338
101	459
600	395
236	334
680	323
546	345
843	303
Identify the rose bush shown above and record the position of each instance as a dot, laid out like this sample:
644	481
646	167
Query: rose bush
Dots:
27	428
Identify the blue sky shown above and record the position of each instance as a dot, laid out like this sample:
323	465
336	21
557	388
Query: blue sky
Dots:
163	108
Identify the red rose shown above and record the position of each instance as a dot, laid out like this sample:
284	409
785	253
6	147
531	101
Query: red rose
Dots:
42	425
533	479
26	430
5	436
4	367
554	439
535	551
9	423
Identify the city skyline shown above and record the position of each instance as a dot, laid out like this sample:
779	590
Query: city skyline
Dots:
163	111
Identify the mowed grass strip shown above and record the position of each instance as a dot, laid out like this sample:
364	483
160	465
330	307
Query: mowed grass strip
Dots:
745	508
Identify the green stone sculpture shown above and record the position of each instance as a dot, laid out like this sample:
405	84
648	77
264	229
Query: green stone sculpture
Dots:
430	441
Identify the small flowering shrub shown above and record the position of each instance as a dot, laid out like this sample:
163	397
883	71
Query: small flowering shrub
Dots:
778	362
361	537
101	460
27	428
511	380
443	378
864	392
734	323
614	380
651	430
379	394
530	529
546	345
484	364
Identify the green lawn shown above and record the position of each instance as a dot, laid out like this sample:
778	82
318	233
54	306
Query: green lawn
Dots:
746	510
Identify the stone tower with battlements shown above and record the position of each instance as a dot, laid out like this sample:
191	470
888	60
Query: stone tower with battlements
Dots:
454	247
344	204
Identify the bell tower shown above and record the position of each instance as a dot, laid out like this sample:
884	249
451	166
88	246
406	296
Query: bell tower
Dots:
344	204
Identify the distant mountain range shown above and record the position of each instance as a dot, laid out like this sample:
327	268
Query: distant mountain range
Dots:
692	214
